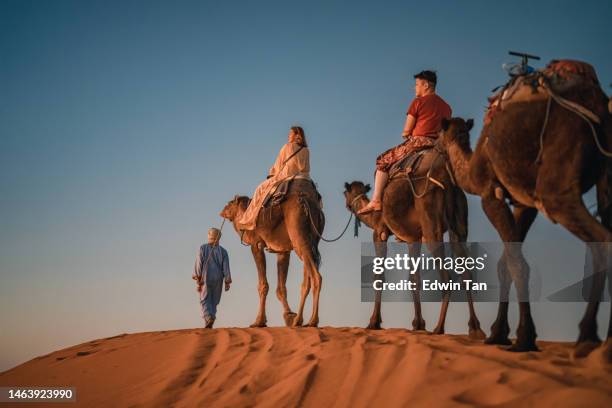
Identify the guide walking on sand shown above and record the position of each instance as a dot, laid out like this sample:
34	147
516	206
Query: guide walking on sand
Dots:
210	271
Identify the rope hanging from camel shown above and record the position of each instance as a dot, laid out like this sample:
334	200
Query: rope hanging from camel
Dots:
548	103
582	112
351	208
427	178
314	227
241	235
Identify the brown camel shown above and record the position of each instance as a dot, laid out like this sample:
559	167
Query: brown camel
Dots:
281	229
356	198
421	213
507	169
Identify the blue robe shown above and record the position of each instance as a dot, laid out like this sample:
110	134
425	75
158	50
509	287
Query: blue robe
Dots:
213	270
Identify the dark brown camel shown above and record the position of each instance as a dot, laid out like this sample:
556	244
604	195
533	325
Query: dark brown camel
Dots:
503	170
415	218
281	229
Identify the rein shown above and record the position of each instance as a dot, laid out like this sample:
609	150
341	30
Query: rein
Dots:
306	208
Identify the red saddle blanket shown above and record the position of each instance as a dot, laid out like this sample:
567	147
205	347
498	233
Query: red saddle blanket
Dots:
560	76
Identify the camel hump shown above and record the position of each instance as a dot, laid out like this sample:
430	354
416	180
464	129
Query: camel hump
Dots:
563	77
571	70
305	187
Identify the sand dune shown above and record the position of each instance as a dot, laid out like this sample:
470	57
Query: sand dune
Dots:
342	367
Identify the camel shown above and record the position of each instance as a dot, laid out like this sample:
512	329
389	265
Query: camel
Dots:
281	229
520	163
356	198
421	213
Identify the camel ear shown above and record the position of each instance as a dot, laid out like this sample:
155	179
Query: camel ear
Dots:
367	188
470	124
445	124
347	186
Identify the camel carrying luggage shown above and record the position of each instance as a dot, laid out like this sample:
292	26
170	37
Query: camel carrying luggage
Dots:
553	81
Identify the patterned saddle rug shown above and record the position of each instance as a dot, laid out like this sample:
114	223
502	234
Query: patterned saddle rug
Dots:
284	188
559	76
409	164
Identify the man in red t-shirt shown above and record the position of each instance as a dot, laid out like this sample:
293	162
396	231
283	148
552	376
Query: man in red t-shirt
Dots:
423	122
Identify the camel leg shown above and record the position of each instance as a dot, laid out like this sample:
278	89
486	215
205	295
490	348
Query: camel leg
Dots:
431	211
457	216
437	250
588	338
305	244
504	222
574	216
260	262
608	344
418	323
604	209
380	247
460	250
282	267
316	281
500	329
305	289
519	270
523	219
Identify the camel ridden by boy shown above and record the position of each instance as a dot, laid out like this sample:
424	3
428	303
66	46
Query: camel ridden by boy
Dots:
423	124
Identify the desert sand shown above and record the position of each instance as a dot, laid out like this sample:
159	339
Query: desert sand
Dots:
343	367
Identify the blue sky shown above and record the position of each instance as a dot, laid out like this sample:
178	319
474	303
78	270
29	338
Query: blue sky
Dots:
126	126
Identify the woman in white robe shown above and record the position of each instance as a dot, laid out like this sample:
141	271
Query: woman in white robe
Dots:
292	161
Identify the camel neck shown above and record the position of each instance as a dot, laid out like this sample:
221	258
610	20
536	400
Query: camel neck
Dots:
245	235
369	218
460	158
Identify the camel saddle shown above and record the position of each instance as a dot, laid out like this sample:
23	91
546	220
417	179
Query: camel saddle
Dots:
409	165
271	213
558	77
284	188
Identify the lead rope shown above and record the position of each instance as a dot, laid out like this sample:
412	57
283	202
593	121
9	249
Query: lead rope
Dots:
314	227
241	235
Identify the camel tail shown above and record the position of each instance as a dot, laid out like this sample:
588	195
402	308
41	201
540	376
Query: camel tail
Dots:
315	247
316	256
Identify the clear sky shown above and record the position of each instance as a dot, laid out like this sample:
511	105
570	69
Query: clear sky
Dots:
126	126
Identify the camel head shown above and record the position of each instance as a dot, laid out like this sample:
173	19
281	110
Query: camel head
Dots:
234	207
456	131
354	190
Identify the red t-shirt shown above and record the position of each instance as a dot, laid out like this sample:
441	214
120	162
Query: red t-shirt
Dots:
428	110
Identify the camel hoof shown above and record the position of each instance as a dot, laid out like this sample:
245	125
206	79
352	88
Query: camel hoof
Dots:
477	334
257	324
584	348
289	318
313	324
438	330
297	322
498	340
418	324
523	346
374	326
607	351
